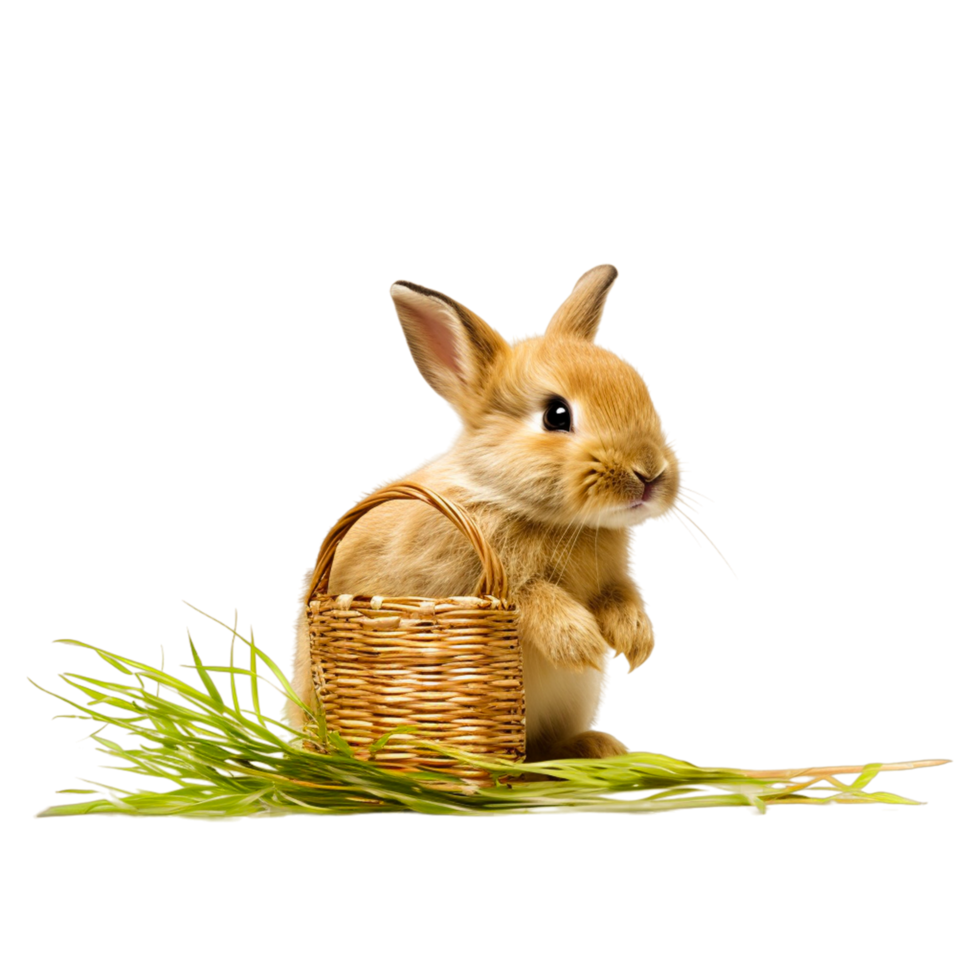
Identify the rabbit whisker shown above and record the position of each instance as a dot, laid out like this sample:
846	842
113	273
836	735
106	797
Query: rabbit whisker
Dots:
688	517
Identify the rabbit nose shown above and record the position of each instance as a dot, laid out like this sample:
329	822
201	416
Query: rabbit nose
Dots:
649	484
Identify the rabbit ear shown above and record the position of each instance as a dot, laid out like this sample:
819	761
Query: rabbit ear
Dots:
452	346
579	315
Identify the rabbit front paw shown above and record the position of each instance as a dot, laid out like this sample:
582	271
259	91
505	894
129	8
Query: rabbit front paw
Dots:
562	629
627	629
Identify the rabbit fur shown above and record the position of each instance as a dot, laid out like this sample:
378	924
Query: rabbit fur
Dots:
557	505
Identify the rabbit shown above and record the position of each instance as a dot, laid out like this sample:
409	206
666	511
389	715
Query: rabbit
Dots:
561	454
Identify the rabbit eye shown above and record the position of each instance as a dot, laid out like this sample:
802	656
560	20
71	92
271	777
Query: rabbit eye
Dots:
558	416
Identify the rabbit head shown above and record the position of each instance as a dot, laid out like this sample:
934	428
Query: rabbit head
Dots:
555	429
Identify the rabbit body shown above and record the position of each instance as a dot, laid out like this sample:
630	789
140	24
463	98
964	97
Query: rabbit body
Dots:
561	453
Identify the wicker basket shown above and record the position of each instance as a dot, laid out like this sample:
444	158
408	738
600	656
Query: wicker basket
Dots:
449	666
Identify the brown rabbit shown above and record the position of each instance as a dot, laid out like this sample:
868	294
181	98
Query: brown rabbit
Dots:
561	453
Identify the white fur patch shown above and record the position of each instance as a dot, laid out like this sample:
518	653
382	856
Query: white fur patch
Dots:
560	702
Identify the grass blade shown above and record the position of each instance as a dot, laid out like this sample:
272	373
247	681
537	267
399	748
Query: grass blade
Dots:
216	759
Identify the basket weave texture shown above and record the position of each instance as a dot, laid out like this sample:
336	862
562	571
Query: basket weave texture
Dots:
449	666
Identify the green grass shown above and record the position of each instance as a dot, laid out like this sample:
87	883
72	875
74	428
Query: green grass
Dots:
222	755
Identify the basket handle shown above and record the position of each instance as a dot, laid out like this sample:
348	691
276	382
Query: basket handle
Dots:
493	581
